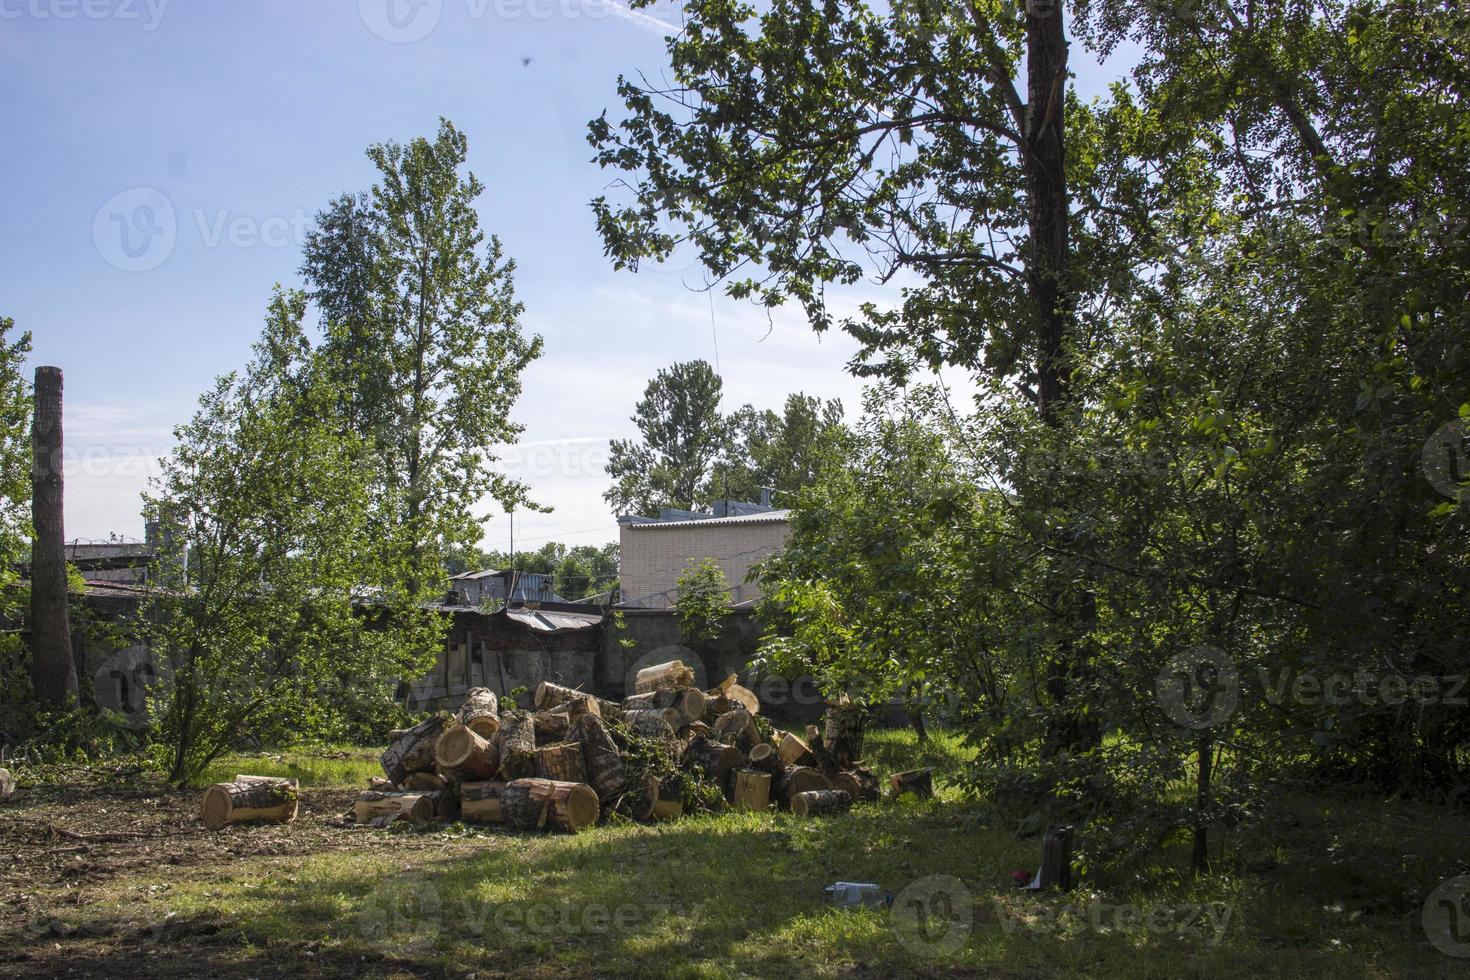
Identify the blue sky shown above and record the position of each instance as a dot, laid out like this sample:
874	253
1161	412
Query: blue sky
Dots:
234	122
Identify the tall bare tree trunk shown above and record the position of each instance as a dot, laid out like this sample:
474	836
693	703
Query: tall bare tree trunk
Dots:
53	672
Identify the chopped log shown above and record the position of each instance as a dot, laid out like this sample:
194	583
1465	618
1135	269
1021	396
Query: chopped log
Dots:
480	712
745	698
764	758
562	761
919	782
671	674
737	727
464	752
382	809
820	803
793	751
425	782
750	789
689	702
552	726
532	804
842	732
381	784
651	723
694	729
517	745
723	687
600	757
813	735
7	785
249	799
639	803
549	695
715	758
867	784
479	802
395	734
668	809
846	782
715	704
575	708
800	779
412	751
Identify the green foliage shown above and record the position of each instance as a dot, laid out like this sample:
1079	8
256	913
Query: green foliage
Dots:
682	431
703	604
579	571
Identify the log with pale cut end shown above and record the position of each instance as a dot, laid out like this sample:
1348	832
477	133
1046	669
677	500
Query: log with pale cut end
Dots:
867	783
639	802
800	779
249	799
737	727
480	712
7	785
919	782
723	687
425	782
551	726
479	802
517	745
689	702
715	704
668	809
600	757
412	750
842	732
549	695
846	782
793	751
750	789
535	804
562	761
820	803
744	697
575	708
694	729
381	784
464	752
384	808
715	758
764	758
813	735
671	674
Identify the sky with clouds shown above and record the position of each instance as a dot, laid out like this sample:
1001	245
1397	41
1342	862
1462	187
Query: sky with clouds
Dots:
164	160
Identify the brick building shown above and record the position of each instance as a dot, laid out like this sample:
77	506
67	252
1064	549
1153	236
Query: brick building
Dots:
654	553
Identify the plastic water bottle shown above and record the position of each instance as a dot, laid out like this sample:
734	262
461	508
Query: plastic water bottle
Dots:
858	893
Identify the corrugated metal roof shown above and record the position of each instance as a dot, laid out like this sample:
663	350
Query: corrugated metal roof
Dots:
548	621
768	517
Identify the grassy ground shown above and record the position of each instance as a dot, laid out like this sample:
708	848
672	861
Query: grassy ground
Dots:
1338	890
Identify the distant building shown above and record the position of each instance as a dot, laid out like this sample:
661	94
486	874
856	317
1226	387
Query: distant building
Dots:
495	585
126	562
654	552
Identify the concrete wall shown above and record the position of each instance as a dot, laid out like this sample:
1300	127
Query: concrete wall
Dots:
653	556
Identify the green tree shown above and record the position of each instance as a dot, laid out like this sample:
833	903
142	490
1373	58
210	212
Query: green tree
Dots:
575	572
273	503
423	347
702	605
682	433
15	461
776	452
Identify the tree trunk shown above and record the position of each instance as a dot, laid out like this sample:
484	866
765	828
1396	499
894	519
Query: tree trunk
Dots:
381	809
750	789
914	709
53	671
533	804
413	751
479	802
481	712
249	799
517	745
1200	858
671	674
464	753
688	702
600	757
820	803
562	761
919	782
842	732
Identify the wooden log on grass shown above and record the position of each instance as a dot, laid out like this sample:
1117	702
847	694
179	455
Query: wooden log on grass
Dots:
800	779
464	753
535	804
674	673
820	803
715	758
382	809
867	784
517	745
919	782
480	712
412	750
249	799
479	802
601	759
562	761
750	789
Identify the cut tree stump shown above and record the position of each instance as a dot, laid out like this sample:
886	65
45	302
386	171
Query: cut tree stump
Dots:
465	753
820	803
517	745
793	751
249	799
480	712
381	809
842	732
549	695
689	702
750	789
1056	859
479	802
531	804
562	761
671	674
764	758
600	757
412	750
715	758
919	782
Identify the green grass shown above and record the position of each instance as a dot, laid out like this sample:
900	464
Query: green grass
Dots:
1337	892
320	766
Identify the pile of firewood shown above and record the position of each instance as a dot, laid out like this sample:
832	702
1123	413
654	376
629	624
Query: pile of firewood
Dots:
667	748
